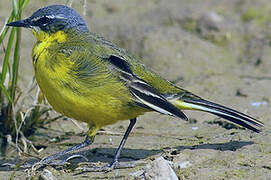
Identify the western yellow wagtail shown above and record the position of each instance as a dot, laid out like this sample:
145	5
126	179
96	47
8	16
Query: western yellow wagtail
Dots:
90	79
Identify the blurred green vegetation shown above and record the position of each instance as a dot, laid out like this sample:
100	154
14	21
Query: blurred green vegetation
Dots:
16	123
260	15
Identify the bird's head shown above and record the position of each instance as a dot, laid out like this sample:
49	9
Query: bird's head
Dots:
52	19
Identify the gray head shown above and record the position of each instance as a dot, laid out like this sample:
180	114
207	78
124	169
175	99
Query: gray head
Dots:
52	19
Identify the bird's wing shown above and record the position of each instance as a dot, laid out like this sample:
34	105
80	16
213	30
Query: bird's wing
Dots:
144	93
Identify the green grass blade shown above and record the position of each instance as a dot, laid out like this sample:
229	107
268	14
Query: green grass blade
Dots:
7	55
3	88
15	7
23	4
5	30
15	66
16	56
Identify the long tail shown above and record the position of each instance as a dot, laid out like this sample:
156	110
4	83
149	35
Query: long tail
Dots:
221	111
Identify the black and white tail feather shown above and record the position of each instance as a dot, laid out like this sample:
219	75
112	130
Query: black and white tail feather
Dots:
224	112
148	97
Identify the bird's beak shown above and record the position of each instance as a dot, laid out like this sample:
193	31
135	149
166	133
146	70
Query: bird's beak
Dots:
21	23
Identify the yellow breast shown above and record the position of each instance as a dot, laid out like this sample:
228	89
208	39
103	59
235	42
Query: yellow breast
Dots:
99	105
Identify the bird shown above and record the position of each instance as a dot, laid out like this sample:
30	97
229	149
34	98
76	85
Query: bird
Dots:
88	78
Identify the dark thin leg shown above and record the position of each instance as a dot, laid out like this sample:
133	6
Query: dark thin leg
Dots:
88	141
115	163
117	155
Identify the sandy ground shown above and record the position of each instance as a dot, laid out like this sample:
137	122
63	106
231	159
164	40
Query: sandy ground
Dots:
219	50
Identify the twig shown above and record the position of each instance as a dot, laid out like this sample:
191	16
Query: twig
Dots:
16	127
31	144
255	77
84	7
9	140
78	125
24	143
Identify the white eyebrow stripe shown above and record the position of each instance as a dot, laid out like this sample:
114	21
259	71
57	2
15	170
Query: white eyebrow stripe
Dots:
54	17
36	18
49	17
60	17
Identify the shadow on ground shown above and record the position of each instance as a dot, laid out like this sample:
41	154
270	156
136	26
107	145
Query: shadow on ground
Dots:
229	146
105	155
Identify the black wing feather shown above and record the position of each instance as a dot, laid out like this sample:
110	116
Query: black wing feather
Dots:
144	93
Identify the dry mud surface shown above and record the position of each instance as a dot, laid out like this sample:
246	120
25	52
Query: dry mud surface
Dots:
219	50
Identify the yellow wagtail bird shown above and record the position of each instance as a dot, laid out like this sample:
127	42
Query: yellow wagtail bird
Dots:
90	79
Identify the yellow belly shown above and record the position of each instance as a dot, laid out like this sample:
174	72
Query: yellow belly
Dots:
98	106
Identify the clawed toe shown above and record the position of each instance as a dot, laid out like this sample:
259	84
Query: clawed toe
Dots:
73	157
49	161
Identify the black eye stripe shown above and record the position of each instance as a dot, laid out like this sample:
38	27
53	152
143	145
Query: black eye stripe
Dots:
43	20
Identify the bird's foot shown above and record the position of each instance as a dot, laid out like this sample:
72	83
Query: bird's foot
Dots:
50	161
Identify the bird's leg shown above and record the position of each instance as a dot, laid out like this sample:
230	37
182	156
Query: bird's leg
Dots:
88	141
115	163
125	137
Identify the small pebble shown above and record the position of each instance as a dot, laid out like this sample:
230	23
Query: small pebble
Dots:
159	169
257	104
195	128
185	164
47	175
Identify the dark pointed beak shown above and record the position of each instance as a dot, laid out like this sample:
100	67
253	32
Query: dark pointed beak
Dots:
21	23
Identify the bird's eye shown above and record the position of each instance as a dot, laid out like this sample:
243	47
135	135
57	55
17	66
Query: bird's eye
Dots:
42	21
